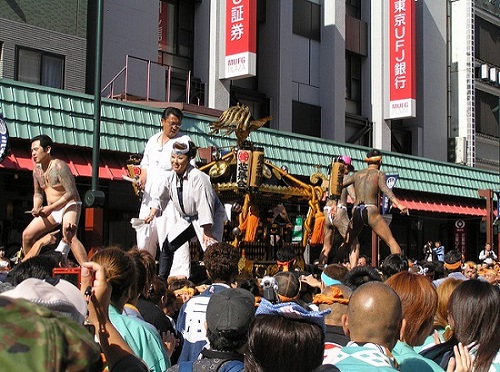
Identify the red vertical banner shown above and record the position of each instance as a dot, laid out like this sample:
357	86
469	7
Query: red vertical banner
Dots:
460	236
162	26
402	74
241	39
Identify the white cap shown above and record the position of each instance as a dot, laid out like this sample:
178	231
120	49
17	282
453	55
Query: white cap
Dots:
62	297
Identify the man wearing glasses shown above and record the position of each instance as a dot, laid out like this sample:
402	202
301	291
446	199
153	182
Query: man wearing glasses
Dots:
154	164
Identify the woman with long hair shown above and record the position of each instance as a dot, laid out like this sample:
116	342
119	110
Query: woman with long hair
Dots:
143	338
474	317
419	300
441	327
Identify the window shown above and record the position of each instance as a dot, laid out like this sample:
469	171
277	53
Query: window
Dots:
257	102
359	130
353	83
307	19
306	119
353	8
487	114
401	139
176	28
38	67
487	42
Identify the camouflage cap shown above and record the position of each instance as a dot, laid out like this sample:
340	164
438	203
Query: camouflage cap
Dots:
33	338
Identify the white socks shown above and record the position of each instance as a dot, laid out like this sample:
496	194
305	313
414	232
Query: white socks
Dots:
64	248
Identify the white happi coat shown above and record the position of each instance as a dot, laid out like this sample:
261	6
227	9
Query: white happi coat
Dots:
201	203
156	161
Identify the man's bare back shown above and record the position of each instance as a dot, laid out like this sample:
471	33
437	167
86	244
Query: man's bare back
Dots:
368	183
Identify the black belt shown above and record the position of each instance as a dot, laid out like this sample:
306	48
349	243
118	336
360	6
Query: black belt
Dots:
187	217
190	218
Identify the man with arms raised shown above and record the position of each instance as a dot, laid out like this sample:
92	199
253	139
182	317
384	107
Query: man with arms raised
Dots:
54	182
367	185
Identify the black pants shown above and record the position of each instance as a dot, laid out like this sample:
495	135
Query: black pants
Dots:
166	260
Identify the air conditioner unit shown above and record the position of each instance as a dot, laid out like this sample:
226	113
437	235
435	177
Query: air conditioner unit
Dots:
493	74
460	150
484	72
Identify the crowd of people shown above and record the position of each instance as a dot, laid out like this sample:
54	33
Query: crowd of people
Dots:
128	318
120	309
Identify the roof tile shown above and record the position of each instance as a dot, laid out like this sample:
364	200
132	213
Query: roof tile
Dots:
66	104
55	103
19	96
43	100
7	94
68	117
33	115
22	131
20	113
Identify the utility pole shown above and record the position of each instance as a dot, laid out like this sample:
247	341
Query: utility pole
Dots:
94	198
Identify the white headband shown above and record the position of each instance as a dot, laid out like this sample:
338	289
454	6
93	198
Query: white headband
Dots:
177	151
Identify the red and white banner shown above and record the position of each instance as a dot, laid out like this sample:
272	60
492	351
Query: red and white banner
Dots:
241	39
402	92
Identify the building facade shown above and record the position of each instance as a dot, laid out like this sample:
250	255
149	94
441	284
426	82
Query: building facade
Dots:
321	66
322	69
321	72
44	43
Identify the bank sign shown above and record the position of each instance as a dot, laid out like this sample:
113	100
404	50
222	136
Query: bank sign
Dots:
402	74
241	39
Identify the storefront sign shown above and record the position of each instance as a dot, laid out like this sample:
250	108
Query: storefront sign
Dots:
460	236
498	202
390	181
241	39
4	140
402	74
297	229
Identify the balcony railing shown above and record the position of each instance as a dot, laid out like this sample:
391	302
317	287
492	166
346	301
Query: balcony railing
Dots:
162	83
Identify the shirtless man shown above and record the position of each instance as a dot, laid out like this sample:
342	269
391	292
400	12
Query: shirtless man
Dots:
337	219
52	180
367	185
